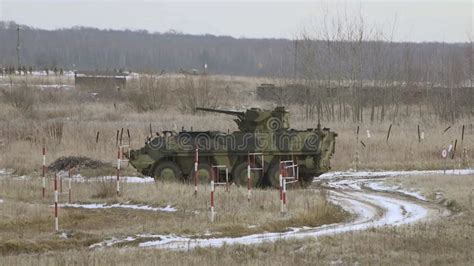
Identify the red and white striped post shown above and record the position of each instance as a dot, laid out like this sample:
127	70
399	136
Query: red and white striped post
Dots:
227	184
248	178
69	190
284	194
56	220
281	189
287	178
118	171
196	162
44	171
212	195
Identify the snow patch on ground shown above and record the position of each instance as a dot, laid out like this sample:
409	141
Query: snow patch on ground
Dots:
364	206
167	208
377	186
373	174
114	240
111	242
66	73
5	172
54	87
125	179
136	179
349	184
373	180
80	179
374	184
1	201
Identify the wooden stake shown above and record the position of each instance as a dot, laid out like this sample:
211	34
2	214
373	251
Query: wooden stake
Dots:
454	149
357	134
419	135
128	133
388	133
117	138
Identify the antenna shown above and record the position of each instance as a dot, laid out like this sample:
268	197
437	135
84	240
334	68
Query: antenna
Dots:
18	44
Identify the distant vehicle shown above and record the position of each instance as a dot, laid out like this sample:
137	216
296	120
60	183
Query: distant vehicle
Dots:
170	155
194	72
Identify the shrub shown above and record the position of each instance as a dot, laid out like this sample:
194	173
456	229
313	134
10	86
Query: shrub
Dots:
22	97
197	92
105	188
149	93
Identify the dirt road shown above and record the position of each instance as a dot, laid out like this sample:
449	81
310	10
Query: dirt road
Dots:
372	205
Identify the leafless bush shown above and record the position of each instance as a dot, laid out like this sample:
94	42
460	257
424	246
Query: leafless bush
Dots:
105	188
150	93
197	92
21	97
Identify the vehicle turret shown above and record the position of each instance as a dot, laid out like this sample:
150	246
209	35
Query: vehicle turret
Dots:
256	119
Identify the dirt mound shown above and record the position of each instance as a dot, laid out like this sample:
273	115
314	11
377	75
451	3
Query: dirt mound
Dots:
65	163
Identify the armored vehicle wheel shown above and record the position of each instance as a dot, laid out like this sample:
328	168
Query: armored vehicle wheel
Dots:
306	180
273	175
239	174
167	171
204	174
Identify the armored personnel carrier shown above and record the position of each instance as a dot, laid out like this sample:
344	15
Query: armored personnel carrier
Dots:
170	155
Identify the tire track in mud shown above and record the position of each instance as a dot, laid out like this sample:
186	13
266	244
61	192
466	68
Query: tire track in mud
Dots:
371	205
369	209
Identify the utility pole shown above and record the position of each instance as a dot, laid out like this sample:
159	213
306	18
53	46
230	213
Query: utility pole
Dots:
18	45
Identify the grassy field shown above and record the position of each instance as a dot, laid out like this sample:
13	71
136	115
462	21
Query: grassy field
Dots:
27	223
67	121
442	241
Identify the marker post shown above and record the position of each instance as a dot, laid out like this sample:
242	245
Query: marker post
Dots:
44	171
56	196
196	163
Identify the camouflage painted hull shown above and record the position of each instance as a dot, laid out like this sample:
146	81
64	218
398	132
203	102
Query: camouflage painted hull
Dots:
174	153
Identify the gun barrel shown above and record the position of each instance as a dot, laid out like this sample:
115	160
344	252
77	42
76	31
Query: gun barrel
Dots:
220	111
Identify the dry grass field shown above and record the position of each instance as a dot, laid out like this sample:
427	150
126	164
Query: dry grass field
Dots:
26	219
440	242
67	121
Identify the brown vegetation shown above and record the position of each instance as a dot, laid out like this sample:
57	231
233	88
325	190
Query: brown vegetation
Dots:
27	223
68	123
444	241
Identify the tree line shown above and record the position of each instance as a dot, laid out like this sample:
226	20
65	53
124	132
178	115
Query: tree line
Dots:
354	58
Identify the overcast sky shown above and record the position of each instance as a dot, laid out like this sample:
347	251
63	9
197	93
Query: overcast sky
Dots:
448	21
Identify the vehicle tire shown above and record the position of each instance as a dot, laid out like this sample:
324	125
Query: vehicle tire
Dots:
204	174
167	171
273	174
306	180
239	175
